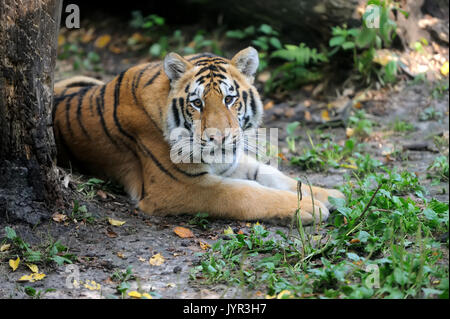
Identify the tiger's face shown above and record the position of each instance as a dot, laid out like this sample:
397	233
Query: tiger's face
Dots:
212	103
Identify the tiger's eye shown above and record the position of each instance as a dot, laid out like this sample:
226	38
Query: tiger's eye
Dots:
197	103
229	99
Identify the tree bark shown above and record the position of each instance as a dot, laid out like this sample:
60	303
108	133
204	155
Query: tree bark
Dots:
29	186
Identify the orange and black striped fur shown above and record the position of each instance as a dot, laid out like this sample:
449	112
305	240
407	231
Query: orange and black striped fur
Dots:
122	129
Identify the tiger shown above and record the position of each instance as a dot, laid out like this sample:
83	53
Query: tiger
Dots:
122	130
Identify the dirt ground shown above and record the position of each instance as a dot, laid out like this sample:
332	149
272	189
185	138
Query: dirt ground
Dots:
103	249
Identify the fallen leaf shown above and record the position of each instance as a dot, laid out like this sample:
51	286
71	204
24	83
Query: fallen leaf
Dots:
134	294
32	277
142	259
284	294
147	295
171	285
281	155
349	166
88	36
156	260
228	231
120	254
264	76
102	194
349	132
203	245
115	222
5	247
116	49
325	115
33	268
444	69
110	233
102	41
14	263
92	285
61	40
57	217
357	105
269	105
271	296
183	232
354	241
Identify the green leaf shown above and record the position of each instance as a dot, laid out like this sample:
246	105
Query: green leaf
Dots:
265	28
275	43
235	34
348	45
155	50
353	256
431	291
429	214
291	127
335	41
400	276
10	233
365	37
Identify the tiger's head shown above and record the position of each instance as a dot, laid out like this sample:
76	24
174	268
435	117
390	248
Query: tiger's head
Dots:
212	103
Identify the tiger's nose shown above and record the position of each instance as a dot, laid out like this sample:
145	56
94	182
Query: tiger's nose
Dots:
218	138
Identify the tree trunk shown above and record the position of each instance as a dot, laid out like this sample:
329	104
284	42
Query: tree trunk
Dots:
29	186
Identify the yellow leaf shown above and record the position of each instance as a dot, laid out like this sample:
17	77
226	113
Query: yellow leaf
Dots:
156	260
115	222
37	277
203	245
26	278
33	268
32	277
14	263
349	166
61	40
285	294
5	247
270	297
147	296
102	41
88	36
183	232
444	69
120	254
325	115
349	132
92	285
135	294
228	231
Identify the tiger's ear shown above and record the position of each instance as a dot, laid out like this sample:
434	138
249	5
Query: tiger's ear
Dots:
246	61
175	66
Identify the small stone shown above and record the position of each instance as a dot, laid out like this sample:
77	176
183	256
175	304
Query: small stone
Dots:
176	269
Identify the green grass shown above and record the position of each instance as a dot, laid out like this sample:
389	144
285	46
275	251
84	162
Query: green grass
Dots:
438	171
402	126
51	252
376	227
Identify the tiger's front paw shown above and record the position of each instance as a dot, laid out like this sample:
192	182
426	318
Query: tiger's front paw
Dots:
322	194
313	211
